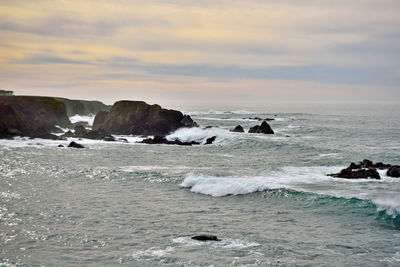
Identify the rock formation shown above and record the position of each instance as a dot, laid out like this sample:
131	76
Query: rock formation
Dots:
238	129
82	107
263	128
139	118
31	116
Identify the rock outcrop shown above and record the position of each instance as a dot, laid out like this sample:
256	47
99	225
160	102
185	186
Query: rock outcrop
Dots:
83	107
75	145
205	238
163	140
139	118
31	116
210	140
238	129
349	173
263	128
365	169
393	171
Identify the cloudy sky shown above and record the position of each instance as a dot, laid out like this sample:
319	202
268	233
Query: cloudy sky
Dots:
202	53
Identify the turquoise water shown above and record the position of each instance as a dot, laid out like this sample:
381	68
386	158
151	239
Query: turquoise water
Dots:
266	196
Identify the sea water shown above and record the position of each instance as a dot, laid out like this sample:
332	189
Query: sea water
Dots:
267	197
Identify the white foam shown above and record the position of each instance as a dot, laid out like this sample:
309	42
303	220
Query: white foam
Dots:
224	243
89	119
199	134
217	112
152	252
384	192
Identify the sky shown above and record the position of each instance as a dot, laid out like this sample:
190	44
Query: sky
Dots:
206	53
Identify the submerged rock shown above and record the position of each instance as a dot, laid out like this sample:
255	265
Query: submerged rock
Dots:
260	119
206	238
263	128
75	145
60	146
210	140
393	171
163	140
238	129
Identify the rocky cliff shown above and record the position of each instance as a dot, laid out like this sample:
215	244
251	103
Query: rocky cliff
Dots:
32	116
140	118
83	107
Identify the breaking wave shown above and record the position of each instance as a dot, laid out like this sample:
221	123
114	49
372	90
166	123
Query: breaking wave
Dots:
382	193
217	112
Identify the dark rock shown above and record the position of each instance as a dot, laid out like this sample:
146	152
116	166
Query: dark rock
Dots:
210	140
163	140
31	116
263	128
205	238
99	119
60	146
75	145
364	169
349	173
393	171
109	138
80	131
187	121
238	129
259	119
139	118
82	107
9	121
96	134
382	166
366	163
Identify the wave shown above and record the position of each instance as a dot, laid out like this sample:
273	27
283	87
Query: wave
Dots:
199	134
39	142
89	119
382	193
217	112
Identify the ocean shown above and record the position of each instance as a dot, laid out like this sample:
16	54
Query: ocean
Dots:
267	197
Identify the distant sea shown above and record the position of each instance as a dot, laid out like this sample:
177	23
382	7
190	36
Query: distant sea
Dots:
267	197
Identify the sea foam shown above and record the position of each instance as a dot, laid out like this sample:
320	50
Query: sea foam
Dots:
89	119
302	179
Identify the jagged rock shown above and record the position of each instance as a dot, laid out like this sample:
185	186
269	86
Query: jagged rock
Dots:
75	145
238	129
263	128
393	171
210	140
139	118
366	163
350	173
206	238
163	140
187	121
